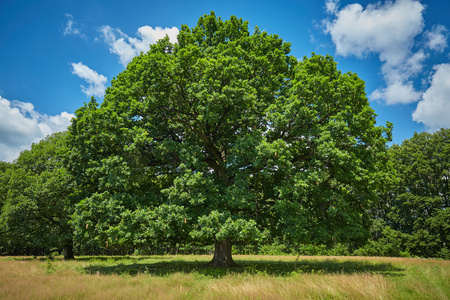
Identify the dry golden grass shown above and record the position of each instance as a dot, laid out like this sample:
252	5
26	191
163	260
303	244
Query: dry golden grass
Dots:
40	279
363	286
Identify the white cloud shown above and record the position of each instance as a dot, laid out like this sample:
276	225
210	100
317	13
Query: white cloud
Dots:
97	82
387	30
397	93
70	28
21	125
434	108
399	89
128	47
332	6
437	38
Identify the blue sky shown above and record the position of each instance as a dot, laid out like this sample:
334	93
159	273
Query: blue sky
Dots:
55	55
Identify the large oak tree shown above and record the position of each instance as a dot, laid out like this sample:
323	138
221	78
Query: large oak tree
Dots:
225	137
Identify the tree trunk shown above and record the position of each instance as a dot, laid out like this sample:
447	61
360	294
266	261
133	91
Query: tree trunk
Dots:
68	251
222	255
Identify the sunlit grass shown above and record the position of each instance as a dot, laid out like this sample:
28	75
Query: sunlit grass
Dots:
258	277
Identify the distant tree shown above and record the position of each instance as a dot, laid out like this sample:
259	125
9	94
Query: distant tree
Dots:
5	174
417	206
225	137
39	199
6	170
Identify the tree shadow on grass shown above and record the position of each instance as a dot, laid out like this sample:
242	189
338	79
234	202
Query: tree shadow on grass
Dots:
90	258
19	258
328	266
120	258
266	268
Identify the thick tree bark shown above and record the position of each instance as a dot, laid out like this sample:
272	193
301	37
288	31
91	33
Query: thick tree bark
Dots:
68	251
222	255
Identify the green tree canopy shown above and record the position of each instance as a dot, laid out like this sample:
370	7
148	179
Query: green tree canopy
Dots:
224	137
39	197
417	205
5	174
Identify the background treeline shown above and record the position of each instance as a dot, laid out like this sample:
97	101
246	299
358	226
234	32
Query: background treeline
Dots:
40	209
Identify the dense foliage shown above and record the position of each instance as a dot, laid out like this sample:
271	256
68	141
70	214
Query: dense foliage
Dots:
224	138
38	197
414	217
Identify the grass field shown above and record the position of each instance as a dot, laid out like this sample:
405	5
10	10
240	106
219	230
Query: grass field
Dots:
258	277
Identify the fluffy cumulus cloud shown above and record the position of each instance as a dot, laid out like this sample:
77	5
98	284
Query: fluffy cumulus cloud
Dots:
434	108
381	28
387	30
128	47
97	82
21	125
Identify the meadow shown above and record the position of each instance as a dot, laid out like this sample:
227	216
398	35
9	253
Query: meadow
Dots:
258	277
